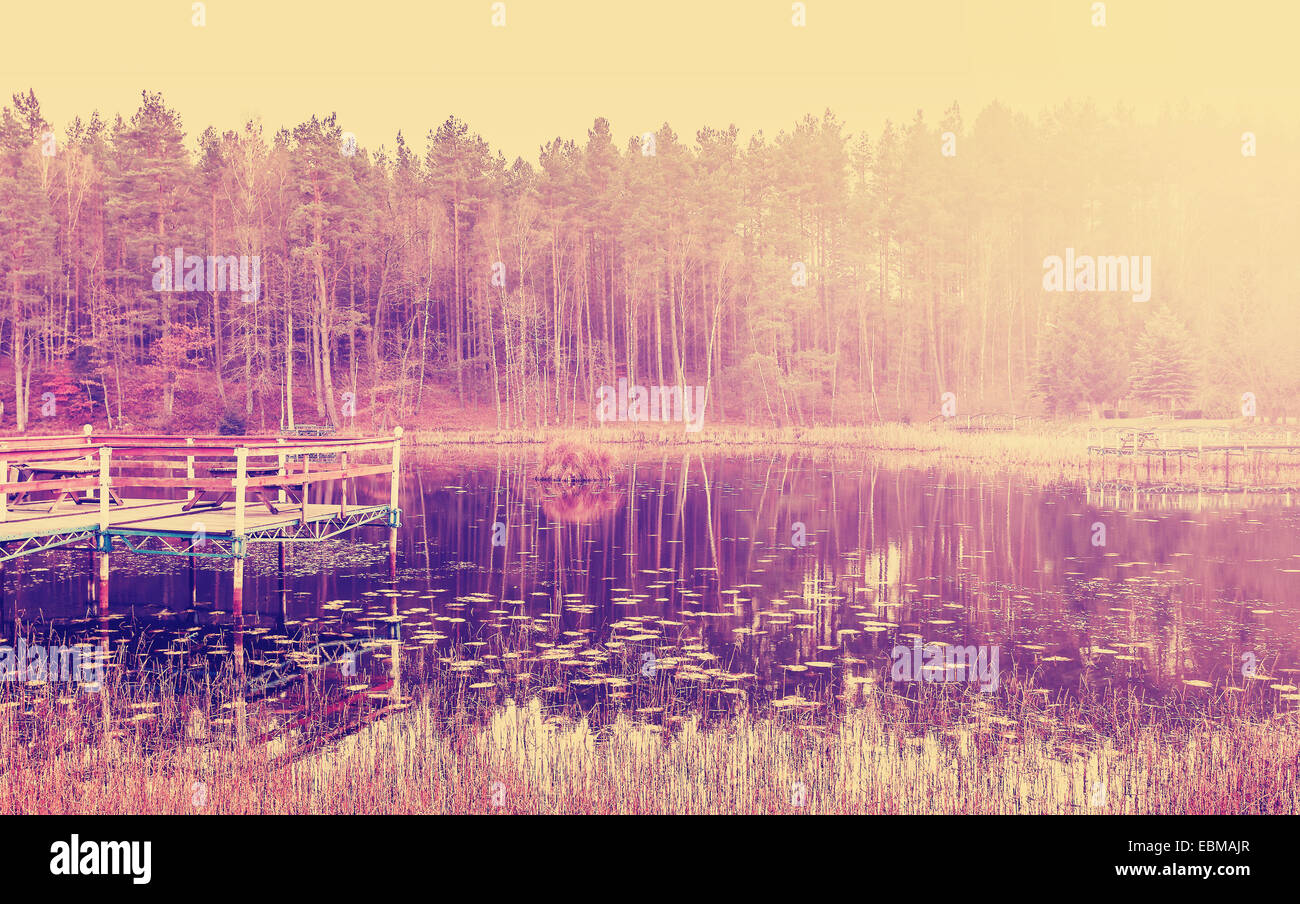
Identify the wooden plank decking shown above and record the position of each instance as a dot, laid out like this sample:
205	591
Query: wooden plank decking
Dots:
34	519
162	515
220	522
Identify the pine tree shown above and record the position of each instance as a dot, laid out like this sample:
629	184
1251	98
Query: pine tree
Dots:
1164	365
322	225
1079	360
671	266
27	236
459	163
152	206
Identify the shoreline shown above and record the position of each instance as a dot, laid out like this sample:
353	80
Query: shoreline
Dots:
1050	450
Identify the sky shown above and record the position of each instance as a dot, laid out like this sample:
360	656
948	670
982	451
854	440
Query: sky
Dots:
558	64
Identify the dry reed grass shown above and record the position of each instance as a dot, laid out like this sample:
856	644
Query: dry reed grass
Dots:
951	751
1044	450
575	460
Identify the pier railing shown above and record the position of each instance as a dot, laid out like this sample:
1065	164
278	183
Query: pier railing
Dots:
104	467
97	464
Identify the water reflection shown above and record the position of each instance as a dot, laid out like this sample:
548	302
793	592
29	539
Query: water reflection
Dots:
764	578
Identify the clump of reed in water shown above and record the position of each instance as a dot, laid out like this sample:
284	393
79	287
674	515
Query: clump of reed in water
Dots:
575	461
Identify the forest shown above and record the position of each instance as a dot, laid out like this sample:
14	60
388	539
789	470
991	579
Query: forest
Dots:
809	276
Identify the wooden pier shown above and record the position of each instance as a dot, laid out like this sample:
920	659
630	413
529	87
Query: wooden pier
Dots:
197	496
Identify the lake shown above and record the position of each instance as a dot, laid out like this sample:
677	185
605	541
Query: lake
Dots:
759	578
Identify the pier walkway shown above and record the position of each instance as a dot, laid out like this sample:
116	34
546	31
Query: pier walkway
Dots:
146	494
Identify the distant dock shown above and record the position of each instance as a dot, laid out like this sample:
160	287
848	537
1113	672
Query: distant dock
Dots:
1146	459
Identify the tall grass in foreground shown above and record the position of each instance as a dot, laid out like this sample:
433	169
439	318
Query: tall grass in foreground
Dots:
869	758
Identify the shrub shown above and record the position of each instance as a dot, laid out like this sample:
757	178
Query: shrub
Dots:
232	423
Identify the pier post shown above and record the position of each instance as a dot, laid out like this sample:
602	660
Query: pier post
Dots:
91	563
237	541
280	465
101	597
284	584
306	488
343	485
395	651
86	430
241	698
392	500
189	468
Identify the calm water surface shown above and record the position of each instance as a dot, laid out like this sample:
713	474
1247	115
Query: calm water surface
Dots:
767	572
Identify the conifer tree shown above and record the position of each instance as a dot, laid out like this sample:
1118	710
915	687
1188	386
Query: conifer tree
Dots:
1164	362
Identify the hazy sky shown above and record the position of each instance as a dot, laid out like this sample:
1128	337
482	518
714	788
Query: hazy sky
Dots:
557	64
